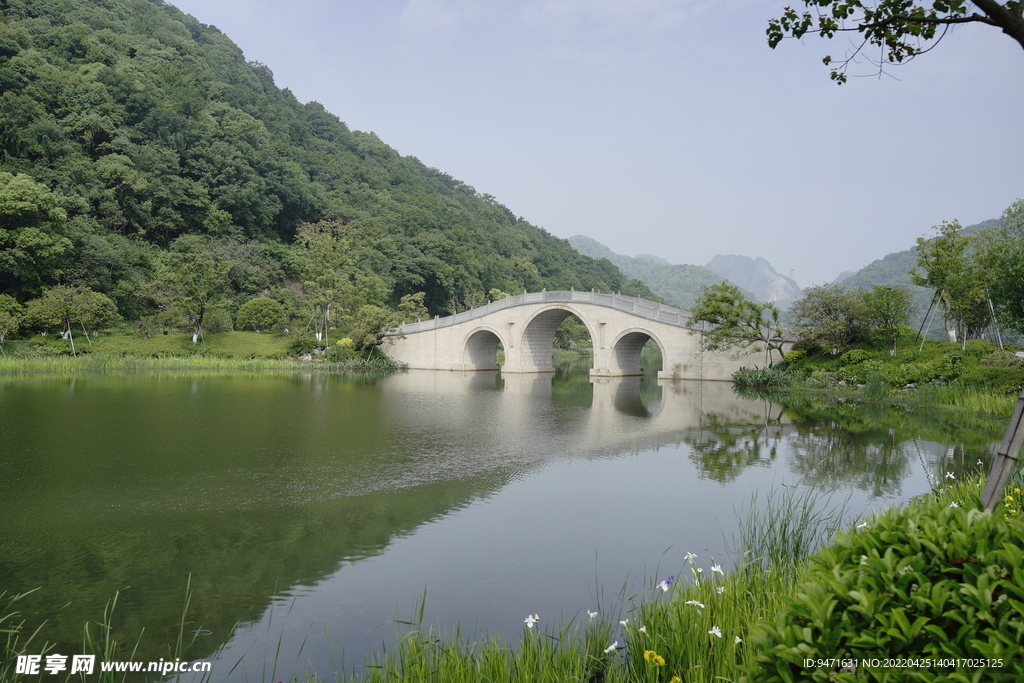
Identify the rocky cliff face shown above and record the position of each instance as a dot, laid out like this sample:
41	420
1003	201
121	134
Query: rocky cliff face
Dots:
758	276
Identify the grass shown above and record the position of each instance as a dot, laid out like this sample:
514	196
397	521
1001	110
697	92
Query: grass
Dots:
221	351
97	639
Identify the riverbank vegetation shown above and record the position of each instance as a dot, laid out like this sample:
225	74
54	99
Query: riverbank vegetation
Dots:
936	579
975	375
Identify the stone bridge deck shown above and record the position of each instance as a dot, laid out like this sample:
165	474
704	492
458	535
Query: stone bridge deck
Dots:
524	326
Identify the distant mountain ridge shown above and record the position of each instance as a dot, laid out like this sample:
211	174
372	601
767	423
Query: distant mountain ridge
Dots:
678	284
758	276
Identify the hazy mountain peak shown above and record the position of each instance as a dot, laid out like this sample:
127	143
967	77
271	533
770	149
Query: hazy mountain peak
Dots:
757	275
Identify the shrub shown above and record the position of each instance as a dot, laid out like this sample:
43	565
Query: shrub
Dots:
854	356
910	372
762	377
300	346
953	364
922	582
794	356
259	314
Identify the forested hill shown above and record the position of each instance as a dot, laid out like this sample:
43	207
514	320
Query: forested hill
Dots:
131	134
679	284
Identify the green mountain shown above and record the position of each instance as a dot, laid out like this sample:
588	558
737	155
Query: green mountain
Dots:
677	284
131	133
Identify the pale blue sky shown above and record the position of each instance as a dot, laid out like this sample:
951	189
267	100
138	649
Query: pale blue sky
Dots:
662	126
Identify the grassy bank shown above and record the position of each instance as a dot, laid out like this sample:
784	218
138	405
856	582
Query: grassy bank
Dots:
978	377
220	350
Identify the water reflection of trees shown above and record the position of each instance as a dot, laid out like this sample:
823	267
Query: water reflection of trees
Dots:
836	443
723	448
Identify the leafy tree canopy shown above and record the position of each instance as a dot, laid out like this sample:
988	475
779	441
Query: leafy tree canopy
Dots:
900	29
736	321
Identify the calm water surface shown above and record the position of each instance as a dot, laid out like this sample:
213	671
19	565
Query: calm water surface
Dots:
312	511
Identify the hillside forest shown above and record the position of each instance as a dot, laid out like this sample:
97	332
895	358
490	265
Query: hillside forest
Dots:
149	173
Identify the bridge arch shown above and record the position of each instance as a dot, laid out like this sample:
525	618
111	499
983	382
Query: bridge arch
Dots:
626	348
480	349
539	335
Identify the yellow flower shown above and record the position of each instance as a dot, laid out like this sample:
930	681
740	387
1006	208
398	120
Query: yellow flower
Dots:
675	679
1009	499
654	658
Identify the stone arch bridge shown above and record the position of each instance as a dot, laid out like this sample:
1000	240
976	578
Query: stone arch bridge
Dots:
525	327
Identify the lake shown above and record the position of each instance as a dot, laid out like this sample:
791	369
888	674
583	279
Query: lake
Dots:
309	512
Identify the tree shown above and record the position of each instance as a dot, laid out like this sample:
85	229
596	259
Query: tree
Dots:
899	28
94	311
1000	252
371	323
31	243
737	322
259	314
831	315
886	309
199	281
947	265
411	308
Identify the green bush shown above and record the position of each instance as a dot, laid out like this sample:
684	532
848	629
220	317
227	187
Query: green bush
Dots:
300	346
762	377
854	356
794	356
953	364
1001	380
924	582
906	373
259	314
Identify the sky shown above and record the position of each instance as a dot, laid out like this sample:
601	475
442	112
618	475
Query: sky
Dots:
664	127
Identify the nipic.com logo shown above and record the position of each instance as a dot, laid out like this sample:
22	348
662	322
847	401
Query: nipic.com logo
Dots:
32	665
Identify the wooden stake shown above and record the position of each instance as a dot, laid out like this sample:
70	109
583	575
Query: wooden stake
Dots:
1006	458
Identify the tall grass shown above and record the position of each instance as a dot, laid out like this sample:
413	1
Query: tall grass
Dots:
16	641
792	523
101	362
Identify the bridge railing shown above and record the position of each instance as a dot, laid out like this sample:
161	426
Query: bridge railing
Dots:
642	308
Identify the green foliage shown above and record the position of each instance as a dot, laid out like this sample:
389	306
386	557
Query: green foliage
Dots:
830	315
259	314
128	129
10	318
762	377
928	581
573	335
411	308
945	264
31	243
794	356
737	322
370	323
901	31
854	356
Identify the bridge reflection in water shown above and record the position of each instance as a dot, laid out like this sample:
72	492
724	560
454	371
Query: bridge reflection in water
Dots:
620	411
